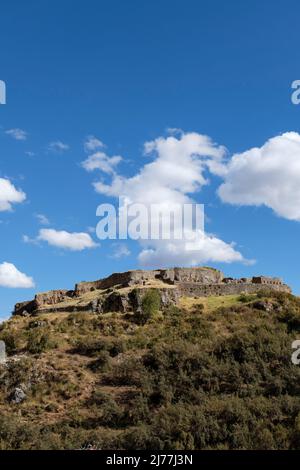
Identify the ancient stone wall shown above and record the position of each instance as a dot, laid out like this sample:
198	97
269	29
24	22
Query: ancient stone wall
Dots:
52	297
204	290
126	279
191	282
138	277
200	275
83	287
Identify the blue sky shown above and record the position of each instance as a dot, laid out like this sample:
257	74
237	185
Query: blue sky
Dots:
125	72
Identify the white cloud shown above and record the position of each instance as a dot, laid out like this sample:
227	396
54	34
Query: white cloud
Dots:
9	195
175	131
17	134
120	251
10	276
92	143
58	146
101	161
269	175
206	248
74	241
42	219
177	171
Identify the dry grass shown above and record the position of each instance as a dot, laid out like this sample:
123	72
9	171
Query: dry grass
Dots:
211	303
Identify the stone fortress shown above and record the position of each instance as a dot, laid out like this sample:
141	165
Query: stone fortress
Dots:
122	292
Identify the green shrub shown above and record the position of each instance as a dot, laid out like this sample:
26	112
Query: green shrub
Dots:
101	363
127	372
92	347
11	339
151	302
245	298
39	340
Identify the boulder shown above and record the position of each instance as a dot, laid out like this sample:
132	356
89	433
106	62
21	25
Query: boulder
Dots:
18	396
116	302
264	305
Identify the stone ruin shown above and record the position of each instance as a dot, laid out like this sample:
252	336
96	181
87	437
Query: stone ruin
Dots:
123	291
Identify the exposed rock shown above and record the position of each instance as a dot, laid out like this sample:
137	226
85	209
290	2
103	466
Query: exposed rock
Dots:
25	313
96	305
18	395
169	296
264	305
37	324
116	302
52	297
24	309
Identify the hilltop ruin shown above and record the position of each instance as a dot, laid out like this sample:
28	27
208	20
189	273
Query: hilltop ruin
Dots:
122	292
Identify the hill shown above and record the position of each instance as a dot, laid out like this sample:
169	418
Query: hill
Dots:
210	372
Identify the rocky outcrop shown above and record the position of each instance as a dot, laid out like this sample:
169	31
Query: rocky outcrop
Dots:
53	297
17	396
46	298
25	308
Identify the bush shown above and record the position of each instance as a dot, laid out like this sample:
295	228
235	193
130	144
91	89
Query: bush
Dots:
245	298
11	339
93	347
101	363
39	340
128	372
151	303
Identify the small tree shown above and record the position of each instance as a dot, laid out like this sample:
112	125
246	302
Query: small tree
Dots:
151	302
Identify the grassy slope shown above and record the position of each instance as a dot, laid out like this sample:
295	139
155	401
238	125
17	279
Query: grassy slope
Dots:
215	373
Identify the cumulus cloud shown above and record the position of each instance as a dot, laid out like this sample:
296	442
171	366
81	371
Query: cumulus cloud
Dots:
99	160
268	175
92	143
9	195
17	134
58	146
74	241
206	248
176	171
10	276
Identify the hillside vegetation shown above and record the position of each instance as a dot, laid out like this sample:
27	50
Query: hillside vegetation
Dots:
213	373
